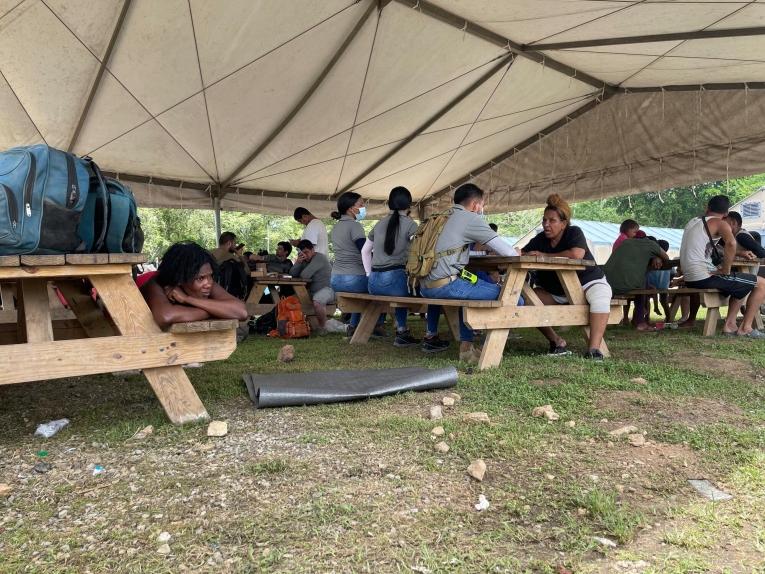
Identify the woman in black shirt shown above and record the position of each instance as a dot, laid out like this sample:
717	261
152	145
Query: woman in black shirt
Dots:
561	239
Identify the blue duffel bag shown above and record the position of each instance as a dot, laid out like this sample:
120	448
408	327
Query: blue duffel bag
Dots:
49	202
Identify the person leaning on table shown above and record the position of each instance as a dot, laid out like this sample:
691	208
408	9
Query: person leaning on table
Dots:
561	239
447	280
184	288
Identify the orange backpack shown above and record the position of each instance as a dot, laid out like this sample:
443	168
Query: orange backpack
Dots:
290	320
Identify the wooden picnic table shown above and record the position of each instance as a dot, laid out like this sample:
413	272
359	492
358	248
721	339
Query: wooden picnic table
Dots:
117	332
498	321
272	282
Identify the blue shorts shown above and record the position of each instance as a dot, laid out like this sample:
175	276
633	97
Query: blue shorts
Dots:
658	279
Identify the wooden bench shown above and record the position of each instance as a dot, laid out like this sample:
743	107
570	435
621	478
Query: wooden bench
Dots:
371	306
116	333
712	299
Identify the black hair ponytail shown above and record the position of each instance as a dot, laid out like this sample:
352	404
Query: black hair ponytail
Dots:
398	200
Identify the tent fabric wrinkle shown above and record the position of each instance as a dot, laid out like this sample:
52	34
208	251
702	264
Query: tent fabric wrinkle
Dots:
267	105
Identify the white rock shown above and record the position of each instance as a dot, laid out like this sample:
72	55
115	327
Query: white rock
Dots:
545	411
477	469
478	417
571	424
5	489
438	431
638	381
623	430
457	398
441	447
164	537
483	503
604	541
636	439
143	433
436	412
164	549
217	428
447	402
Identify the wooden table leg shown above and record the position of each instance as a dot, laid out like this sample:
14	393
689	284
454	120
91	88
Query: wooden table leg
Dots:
494	344
253	299
453	319
132	316
88	313
575	294
34	302
307	303
369	316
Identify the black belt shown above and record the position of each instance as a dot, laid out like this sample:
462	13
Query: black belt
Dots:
389	268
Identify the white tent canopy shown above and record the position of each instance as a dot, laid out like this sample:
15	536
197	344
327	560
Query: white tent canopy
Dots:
264	105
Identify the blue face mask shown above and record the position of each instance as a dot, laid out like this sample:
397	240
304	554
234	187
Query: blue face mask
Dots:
361	214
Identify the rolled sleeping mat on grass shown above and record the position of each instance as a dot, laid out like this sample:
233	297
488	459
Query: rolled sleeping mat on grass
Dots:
321	387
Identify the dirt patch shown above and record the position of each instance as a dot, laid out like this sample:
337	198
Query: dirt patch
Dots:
708	364
630	407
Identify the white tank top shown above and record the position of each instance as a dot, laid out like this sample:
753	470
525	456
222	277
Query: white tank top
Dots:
696	251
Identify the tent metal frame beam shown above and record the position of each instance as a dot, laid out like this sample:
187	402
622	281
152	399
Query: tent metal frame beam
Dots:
506	60
649	38
206	188
303	100
517	148
99	75
478	31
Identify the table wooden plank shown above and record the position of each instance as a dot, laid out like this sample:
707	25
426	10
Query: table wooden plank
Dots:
204	326
57	359
37	320
53	272
494	260
9	260
87	258
39	260
133	258
87	311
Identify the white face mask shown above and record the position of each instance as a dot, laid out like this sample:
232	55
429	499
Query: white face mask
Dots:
362	213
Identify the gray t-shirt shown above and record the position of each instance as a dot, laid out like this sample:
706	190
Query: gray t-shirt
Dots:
318	271
347	254
463	228
407	227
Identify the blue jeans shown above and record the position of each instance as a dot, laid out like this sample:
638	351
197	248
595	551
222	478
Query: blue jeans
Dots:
461	289
353	284
394	283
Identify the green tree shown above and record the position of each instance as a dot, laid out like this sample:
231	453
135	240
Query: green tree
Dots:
673	207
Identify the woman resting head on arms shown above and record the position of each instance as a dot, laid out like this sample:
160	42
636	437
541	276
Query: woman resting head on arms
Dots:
184	289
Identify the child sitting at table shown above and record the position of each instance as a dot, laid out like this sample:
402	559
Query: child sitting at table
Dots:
184	289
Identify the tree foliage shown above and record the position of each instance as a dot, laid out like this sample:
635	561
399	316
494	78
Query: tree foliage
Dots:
673	207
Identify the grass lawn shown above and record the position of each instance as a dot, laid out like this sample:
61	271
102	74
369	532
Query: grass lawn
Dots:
359	487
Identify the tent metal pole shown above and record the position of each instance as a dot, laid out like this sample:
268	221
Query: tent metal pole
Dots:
306	96
649	38
216	214
99	74
506	60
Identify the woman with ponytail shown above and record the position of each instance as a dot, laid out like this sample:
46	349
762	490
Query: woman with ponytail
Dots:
348	238
561	239
384	256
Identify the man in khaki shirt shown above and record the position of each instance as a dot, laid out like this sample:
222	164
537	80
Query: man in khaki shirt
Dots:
228	249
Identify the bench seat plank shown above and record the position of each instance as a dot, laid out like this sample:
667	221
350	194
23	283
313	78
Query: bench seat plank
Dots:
417	301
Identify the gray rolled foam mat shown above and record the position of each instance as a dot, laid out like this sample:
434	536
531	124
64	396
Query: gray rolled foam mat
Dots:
321	387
